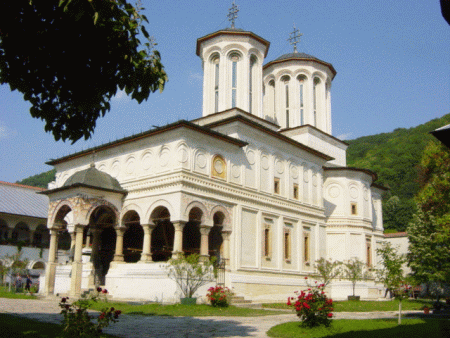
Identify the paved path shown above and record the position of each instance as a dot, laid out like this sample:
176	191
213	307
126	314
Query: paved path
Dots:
174	327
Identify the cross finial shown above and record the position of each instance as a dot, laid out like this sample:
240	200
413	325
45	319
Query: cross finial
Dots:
294	38
233	14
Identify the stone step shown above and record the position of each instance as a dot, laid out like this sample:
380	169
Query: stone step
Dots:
239	300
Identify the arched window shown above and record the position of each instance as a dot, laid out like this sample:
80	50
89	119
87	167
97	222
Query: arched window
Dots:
272	87
234	57
250	82
215	61
285	79
316	86
302	81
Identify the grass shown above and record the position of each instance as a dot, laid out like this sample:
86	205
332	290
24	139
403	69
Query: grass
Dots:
4	293
19	327
370	328
178	310
367	306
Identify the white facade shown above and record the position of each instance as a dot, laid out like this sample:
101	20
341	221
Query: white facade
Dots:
258	181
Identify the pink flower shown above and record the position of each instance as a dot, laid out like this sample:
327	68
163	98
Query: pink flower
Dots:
289	302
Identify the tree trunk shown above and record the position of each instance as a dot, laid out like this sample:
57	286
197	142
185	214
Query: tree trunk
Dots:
399	312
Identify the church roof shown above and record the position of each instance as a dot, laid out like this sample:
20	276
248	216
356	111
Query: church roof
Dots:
443	134
232	31
150	133
94	178
300	57
18	199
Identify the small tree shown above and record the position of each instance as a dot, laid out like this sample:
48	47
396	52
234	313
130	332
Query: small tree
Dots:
189	273
354	271
391	274
327	270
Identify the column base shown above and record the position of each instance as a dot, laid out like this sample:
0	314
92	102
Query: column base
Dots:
146	258
50	279
75	282
118	258
204	258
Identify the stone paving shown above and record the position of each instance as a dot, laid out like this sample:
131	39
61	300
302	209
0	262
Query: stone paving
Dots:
174	327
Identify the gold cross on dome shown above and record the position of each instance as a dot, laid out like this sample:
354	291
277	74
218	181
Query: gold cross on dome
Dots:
233	14
294	38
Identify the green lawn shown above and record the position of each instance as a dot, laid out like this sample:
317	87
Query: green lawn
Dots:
374	328
367	306
4	293
177	310
19	327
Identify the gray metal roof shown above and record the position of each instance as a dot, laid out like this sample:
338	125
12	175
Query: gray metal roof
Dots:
296	56
92	177
19	199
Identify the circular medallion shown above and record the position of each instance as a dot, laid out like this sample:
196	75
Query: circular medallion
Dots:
147	161
182	155
235	171
251	157
218	165
334	191
115	169
265	162
279	166
164	157
130	165
305	175
201	160
314	180
294	172
354	192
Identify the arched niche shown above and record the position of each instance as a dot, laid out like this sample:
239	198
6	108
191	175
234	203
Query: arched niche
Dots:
162	235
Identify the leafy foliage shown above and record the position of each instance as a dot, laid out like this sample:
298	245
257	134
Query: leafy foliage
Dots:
190	273
72	58
429	231
40	180
314	307
395	157
328	270
354	271
78	322
219	296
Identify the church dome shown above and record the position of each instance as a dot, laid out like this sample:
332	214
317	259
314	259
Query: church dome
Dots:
93	178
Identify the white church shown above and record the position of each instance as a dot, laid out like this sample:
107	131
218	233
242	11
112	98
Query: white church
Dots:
257	181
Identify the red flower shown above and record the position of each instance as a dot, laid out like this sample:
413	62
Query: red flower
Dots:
289	302
330	315
306	305
105	291
99	289
63	300
112	309
306	277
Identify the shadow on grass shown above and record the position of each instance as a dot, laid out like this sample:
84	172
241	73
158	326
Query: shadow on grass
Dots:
435	328
135	324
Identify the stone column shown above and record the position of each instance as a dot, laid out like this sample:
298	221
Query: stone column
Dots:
31	236
118	256
178	239
88	240
204	244
72	246
146	255
75	282
95	259
51	266
9	233
226	247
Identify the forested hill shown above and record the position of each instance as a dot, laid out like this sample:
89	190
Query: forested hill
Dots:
394	157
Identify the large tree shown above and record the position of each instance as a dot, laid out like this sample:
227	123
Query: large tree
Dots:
429	235
69	58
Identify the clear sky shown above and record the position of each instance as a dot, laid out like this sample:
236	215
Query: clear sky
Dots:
392	60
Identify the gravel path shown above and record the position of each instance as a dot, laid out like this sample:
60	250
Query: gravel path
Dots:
174	327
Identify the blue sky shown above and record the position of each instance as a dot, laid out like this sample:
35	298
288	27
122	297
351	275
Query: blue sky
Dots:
392	61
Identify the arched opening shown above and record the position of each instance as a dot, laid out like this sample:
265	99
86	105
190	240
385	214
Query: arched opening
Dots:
41	237
191	232
133	238
302	86
316	103
38	266
64	240
215	237
251	82
234	57
4	231
272	101
103	241
285	80
215	61
162	235
21	233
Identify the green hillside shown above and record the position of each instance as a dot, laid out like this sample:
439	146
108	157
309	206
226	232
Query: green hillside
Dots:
394	157
40	180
